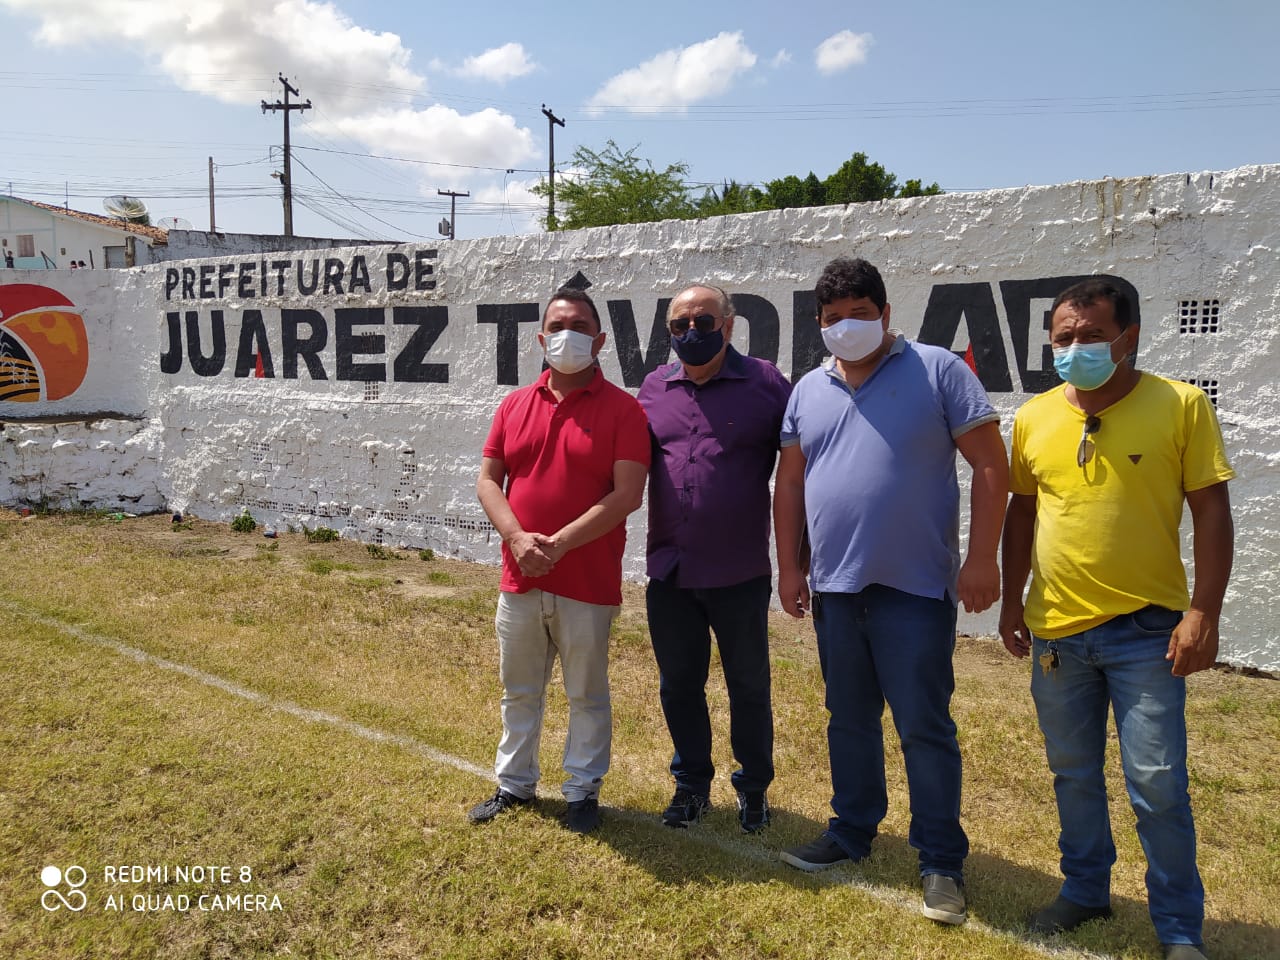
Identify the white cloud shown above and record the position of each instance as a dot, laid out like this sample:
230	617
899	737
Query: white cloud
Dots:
521	208
486	138
842	50
499	64
678	77
209	46
361	81
781	58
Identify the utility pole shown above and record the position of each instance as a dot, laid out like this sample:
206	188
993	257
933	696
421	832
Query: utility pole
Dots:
552	120
213	222
453	196
286	180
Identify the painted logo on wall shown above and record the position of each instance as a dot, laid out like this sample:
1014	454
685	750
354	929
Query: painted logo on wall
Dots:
44	350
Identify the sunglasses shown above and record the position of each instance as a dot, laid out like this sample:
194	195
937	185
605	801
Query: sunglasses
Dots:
703	322
1084	452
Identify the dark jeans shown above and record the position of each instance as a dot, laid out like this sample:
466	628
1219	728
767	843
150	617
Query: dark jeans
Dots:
879	645
680	625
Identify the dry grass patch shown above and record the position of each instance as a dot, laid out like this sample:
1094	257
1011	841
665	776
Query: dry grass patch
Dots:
108	760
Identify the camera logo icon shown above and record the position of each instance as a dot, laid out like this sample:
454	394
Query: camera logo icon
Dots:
53	898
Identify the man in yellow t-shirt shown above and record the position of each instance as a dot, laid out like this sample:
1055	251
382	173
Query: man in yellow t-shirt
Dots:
1100	469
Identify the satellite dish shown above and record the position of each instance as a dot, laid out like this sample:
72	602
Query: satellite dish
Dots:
125	208
174	223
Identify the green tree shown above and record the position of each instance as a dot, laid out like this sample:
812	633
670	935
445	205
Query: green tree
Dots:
732	197
791	191
912	188
618	187
858	181
615	186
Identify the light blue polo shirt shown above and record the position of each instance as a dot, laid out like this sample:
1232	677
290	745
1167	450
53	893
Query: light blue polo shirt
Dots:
880	494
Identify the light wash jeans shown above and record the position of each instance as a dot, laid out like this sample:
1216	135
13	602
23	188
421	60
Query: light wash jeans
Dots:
533	629
1120	664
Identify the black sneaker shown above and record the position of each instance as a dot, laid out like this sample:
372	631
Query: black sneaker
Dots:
686	807
582	816
822	853
753	811
500	802
1063	915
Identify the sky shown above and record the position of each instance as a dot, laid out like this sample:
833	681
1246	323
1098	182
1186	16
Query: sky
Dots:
134	96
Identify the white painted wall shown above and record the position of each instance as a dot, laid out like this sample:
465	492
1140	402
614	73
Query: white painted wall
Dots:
190	244
328	452
106	463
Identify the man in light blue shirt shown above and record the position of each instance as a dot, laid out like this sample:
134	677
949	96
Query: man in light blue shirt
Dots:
868	471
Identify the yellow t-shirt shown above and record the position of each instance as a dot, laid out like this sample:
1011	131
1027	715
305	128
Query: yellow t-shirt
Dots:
1106	535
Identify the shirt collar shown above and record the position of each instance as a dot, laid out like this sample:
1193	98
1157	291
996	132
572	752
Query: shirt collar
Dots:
543	383
734	367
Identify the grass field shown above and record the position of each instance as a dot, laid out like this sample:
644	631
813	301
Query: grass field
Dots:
318	719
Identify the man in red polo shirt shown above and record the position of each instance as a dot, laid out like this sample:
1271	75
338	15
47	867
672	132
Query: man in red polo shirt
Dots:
564	464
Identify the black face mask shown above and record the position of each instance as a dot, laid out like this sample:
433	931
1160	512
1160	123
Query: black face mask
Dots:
698	349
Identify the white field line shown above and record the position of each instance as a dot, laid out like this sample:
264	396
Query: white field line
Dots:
768	858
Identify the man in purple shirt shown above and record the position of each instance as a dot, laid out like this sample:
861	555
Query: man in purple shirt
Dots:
715	418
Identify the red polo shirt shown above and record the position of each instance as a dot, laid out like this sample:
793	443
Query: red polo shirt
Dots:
559	457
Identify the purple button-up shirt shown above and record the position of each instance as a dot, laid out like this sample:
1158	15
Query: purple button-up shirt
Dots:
714	447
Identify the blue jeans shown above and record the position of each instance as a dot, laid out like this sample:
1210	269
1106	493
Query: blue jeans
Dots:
1121	664
879	645
680	625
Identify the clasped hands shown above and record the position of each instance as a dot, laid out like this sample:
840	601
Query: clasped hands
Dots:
536	554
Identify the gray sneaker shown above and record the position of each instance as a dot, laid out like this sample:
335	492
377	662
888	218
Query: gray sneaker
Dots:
943	899
1183	951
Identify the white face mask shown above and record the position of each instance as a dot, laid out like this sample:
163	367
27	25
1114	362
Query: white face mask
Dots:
568	351
853	340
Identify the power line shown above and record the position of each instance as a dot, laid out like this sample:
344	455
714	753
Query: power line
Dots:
378	92
322	211
353	205
433	163
147	142
381	171
935	109
95	189
923	108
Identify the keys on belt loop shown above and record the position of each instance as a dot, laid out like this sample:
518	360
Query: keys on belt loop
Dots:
1049	660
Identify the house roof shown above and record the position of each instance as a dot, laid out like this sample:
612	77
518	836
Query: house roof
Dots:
155	234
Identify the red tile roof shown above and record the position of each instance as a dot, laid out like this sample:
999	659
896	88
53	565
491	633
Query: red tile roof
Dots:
156	234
